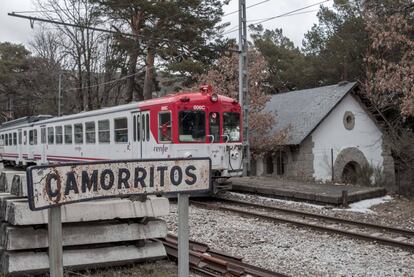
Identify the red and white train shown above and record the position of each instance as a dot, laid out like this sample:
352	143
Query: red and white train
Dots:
188	124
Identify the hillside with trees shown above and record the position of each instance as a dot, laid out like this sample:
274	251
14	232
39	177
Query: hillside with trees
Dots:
181	43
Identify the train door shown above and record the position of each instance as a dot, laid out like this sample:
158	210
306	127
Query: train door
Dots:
215	148
25	145
141	135
1	144
43	142
20	144
136	135
146	149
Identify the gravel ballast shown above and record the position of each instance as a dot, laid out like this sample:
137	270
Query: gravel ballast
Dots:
290	250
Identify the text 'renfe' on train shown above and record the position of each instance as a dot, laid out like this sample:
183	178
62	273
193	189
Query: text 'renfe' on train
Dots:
192	124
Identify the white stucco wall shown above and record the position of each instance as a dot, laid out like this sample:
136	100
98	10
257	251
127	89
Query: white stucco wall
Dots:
332	134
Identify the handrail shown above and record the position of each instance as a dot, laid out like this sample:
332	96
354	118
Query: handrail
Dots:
228	138
212	138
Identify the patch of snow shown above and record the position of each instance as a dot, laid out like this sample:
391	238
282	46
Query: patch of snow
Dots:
364	206
263	198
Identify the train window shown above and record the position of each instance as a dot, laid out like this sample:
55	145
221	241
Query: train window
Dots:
121	129
1	140
50	135
103	131
25	137
20	137
14	138
134	127
43	135
231	128
147	127
143	127
68	134
164	126
11	139
214	120
192	126
58	131
90	132
7	139
138	128
78	133
31	138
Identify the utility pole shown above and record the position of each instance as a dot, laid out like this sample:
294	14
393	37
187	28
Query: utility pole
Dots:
10	108
243	84
60	94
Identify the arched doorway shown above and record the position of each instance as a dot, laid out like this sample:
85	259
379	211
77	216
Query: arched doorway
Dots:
350	172
269	164
348	161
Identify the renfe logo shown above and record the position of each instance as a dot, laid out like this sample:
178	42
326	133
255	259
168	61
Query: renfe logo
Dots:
161	149
199	107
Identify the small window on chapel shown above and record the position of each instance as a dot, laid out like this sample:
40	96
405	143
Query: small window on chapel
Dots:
349	120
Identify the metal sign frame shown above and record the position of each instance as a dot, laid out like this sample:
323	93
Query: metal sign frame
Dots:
30	185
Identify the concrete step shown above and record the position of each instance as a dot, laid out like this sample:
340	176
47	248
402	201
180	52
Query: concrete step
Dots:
18	212
27	237
19	185
37	262
5	199
6	178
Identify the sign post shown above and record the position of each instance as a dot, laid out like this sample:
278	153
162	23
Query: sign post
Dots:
50	186
55	242
183	232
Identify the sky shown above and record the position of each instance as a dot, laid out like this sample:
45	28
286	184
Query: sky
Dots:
18	30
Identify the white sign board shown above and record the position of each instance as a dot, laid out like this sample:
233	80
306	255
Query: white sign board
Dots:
55	185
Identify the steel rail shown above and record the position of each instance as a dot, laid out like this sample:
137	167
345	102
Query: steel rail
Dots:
325	217
354	234
209	262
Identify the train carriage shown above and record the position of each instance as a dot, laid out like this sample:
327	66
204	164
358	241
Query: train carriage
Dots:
192	124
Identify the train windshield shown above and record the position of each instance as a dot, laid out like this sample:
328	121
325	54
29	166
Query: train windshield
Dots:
231	127
192	126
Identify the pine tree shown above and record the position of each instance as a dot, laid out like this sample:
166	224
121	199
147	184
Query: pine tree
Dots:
176	35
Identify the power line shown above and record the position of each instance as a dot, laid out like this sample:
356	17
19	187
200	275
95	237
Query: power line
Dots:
254	20
292	14
32	19
114	80
103	83
121	6
233	12
316	4
281	15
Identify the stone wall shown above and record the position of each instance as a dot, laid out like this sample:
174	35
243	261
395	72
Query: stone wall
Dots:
404	182
388	166
298	162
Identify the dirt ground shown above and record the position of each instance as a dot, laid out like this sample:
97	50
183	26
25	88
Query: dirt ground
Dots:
162	268
400	209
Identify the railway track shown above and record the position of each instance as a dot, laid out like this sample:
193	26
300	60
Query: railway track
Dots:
387	235
209	262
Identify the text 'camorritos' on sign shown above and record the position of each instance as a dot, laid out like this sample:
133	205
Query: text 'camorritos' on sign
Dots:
53	185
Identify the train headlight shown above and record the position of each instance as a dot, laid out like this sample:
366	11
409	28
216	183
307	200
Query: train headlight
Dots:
234	155
214	97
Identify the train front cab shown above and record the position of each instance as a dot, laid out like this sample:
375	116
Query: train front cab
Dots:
204	125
